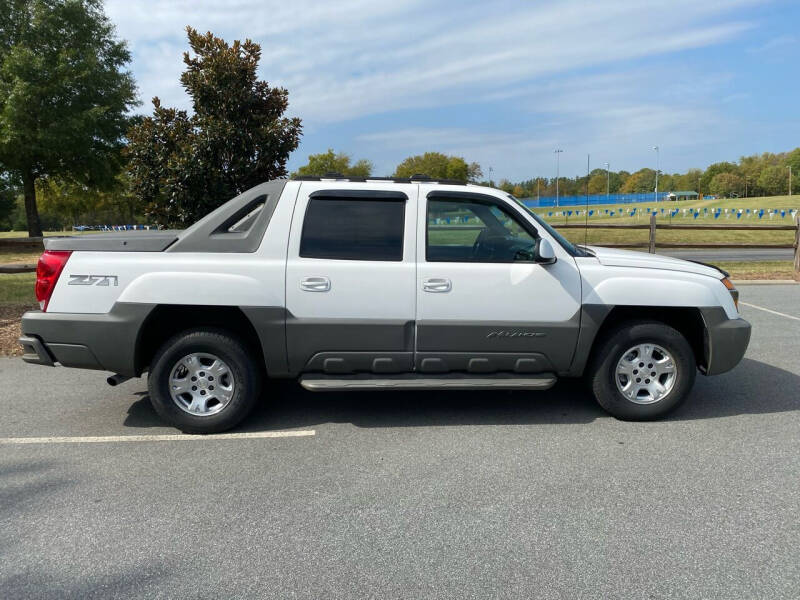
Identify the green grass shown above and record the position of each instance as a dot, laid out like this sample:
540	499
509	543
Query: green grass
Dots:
768	269
774	202
19	256
633	236
24	234
17	288
10	254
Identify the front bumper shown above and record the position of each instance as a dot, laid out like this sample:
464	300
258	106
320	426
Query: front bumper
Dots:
726	341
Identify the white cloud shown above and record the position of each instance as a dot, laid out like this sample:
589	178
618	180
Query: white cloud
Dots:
609	115
345	59
777	43
571	68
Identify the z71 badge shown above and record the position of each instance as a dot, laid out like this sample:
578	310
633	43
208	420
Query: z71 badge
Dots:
101	280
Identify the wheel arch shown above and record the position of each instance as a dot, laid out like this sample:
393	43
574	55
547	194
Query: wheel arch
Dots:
687	320
167	320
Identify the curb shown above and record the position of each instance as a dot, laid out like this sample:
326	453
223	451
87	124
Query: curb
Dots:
766	282
18	268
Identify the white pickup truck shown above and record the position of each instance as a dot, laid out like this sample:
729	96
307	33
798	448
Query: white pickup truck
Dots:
395	284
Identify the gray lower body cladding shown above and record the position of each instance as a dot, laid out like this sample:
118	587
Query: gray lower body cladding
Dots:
109	342
292	346
491	346
89	341
726	340
348	345
381	346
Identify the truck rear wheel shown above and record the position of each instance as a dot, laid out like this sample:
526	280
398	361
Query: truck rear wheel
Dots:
203	381
642	371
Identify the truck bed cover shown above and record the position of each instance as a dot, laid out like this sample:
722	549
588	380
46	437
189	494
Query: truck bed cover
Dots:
117	241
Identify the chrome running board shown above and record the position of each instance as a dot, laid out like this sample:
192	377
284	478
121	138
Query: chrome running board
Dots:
459	381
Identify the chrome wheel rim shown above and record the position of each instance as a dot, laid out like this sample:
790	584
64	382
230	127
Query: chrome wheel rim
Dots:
646	373
201	384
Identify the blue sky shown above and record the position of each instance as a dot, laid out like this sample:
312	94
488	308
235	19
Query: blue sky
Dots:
505	83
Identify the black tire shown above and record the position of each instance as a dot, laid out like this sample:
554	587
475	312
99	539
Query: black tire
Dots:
244	373
602	374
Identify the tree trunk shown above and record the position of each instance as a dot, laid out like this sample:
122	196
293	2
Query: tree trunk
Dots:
31	213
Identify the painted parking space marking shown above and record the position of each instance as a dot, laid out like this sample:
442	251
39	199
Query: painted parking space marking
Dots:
769	310
178	437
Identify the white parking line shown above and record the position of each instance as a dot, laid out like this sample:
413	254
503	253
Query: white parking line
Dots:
774	312
178	437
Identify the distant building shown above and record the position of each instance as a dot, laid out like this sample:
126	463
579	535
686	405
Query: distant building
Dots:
682	196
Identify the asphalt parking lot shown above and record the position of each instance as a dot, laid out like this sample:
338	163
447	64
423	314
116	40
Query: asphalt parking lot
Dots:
394	495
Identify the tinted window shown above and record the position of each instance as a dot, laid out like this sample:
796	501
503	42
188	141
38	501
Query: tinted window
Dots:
353	229
245	222
565	243
468	231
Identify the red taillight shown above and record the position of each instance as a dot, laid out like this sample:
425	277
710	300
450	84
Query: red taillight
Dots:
51	263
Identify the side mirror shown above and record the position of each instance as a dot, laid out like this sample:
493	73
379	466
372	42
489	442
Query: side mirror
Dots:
545	253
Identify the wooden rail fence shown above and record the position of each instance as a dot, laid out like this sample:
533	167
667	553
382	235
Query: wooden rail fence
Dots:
653	227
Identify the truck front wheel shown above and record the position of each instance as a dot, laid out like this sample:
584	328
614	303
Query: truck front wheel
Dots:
203	381
642	370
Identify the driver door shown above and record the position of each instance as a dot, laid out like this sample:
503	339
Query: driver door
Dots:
484	304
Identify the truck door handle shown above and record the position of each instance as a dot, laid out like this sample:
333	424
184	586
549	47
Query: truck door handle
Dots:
437	284
315	284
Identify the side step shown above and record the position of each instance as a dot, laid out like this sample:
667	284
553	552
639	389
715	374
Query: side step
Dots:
417	381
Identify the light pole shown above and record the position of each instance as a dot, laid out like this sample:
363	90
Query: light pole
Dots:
557	153
608	183
790	180
537	189
658	166
746	179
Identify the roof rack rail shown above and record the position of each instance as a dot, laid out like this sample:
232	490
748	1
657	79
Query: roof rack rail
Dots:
418	178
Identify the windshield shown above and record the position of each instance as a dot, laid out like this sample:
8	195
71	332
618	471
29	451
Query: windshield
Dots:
565	243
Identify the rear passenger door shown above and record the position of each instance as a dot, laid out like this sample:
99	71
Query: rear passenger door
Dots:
350	278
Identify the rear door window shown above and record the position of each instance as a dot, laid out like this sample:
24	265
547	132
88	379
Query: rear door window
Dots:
353	229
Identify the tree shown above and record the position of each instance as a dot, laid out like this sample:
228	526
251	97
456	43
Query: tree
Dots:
74	204
439	166
9	189
712	171
182	167
774	180
597	183
689	181
621	178
727	184
330	162
64	96
641	182
474	172
793	160
506	186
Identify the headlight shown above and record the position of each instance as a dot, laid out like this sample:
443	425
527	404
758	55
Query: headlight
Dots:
732	289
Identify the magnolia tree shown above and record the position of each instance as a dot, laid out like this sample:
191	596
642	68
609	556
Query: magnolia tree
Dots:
183	166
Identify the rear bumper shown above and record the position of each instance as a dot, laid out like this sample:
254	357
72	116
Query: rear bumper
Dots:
35	351
105	342
726	341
